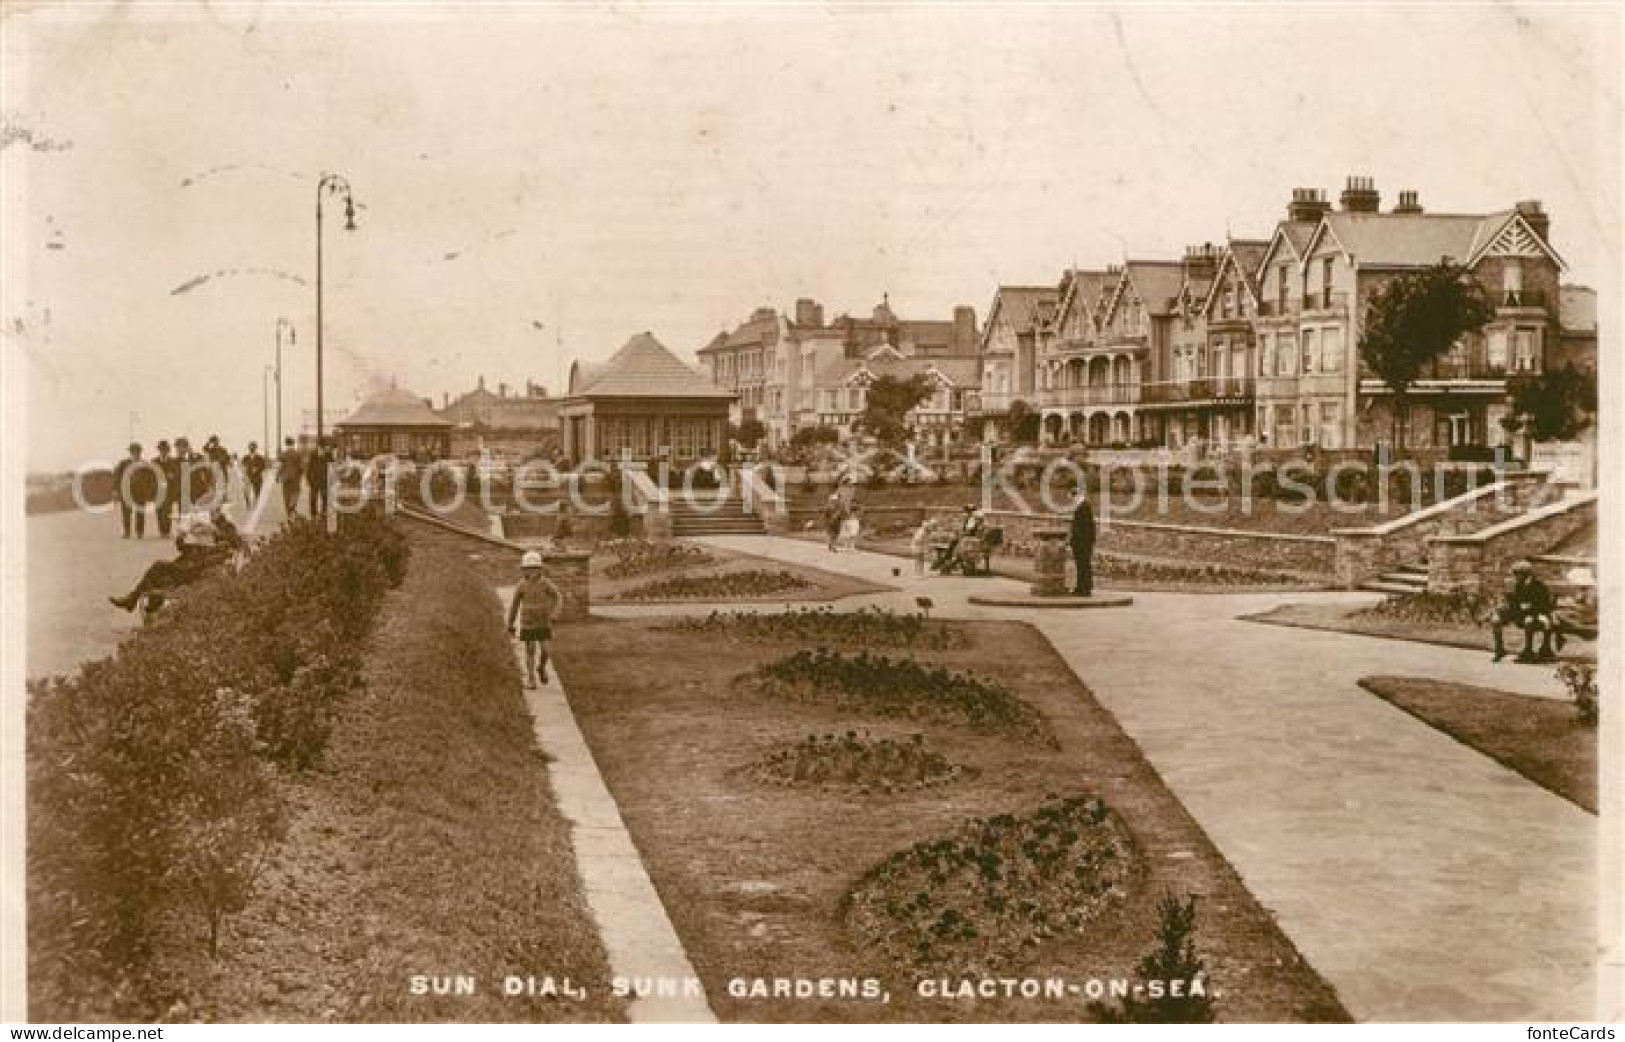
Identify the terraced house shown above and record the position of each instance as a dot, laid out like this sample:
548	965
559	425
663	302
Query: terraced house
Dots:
1254	343
1017	321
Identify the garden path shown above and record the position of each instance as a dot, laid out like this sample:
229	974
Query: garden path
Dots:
1422	879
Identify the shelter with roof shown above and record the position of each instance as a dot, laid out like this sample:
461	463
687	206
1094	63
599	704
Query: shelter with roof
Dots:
643	402
395	422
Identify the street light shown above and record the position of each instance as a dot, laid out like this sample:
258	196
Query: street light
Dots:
266	372
334	185
281	325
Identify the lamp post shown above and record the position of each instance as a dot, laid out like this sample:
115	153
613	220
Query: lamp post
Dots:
334	185
282	325
265	408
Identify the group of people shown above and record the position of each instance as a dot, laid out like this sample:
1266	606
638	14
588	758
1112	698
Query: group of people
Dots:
843	522
935	550
178	479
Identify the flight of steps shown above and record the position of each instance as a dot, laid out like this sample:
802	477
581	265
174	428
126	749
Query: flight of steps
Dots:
688	519
1406	579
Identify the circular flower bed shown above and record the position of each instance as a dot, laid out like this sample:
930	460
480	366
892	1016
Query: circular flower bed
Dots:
721	586
855	761
901	687
867	627
982	899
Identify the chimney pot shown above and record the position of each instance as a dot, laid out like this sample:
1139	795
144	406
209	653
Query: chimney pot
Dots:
1308	204
1360	195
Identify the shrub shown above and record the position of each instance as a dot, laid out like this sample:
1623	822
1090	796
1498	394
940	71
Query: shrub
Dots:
855	760
1170	975
1581	680
1432	609
150	774
636	557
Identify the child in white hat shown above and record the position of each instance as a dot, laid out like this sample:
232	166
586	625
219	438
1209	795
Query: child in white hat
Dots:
536	603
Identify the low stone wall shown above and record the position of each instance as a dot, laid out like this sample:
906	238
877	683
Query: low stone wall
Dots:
1363	554
1306	554
1479	562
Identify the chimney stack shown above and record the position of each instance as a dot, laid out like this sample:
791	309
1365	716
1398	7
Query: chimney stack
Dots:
1201	262
502	390
1537	218
966	337
1409	203
809	312
1308	204
482	382
445	399
1360	195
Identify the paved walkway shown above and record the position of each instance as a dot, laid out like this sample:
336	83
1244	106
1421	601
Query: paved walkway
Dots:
1424	880
638	936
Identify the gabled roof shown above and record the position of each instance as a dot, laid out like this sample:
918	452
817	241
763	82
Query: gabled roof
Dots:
959	370
1241	256
1155	282
1419	240
1292	236
644	368
1020	308
394	408
1083	292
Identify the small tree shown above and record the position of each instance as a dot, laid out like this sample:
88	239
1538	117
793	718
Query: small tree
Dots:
1171	973
890	400
1412	322
1023	421
1552	406
749	433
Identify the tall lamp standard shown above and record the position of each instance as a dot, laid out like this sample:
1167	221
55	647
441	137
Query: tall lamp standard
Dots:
265	408
334	185
282	325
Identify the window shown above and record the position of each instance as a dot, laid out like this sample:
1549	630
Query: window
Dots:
830	403
1331	349
1495	352
1330	434
1307	430
1284	434
1263	425
1526	351
1286	355
1282	283
1266	355
1511	280
1311	348
1326	282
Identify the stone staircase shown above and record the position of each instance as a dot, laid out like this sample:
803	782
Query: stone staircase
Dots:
1406	579
728	518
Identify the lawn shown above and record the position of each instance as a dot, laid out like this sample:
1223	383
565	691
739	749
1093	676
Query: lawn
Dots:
427	842
1393	621
1539	738
778	824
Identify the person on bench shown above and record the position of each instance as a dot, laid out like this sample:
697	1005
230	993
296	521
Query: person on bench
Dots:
1528	605
198	555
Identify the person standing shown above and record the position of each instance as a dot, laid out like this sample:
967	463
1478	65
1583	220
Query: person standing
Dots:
253	473
169	492
1082	540
316	477
290	470
536	603
131	514
833	516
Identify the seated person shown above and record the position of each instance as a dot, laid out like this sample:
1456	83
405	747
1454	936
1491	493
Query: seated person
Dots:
198	555
1527	604
969	526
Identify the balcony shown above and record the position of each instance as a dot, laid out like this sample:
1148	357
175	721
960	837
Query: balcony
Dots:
1097	394
1326	301
1208	390
1446	375
1518	300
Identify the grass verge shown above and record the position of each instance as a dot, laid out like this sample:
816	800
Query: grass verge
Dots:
1351	618
755	877
1539	738
428	843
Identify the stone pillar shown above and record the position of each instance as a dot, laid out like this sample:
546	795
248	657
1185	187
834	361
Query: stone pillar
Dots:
568	570
656	524
1049	563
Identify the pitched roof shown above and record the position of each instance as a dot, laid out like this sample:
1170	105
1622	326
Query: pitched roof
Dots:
1022	305
1295	235
1404	240
1156	282
1083	290
394	408
644	368
961	371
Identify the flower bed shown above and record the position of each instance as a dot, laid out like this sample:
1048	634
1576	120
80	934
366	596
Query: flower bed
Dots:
870	627
150	774
855	761
1132	569
901	688
636	557
1432	609
721	586
980	900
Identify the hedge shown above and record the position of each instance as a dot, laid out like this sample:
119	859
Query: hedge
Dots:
151	774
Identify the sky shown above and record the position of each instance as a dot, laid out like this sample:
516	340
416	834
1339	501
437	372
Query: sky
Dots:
538	184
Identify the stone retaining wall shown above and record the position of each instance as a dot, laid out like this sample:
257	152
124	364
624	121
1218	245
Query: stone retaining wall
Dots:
1479	562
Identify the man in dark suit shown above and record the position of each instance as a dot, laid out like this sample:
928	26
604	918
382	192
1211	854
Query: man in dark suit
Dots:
1083	547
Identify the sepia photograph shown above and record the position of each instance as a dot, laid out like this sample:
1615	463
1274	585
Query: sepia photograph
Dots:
810	513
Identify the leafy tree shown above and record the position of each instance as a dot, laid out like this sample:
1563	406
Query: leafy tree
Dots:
1176	991
1023	422
749	433
1412	322
812	437
1552	406
890	400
